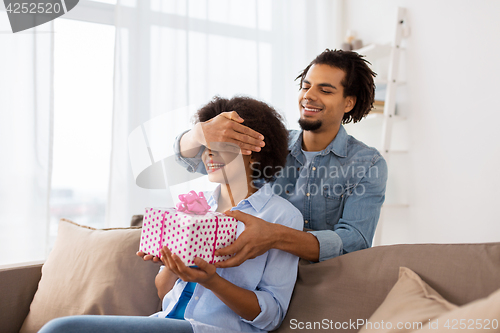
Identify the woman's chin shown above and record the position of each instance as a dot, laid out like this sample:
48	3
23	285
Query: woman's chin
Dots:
216	177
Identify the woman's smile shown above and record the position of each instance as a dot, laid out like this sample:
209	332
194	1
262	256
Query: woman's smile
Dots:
213	166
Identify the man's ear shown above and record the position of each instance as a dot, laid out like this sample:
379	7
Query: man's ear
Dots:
350	102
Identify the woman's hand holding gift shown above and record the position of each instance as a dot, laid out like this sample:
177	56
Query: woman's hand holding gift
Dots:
205	274
242	301
148	257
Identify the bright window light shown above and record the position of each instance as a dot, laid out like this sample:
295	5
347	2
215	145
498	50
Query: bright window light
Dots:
83	102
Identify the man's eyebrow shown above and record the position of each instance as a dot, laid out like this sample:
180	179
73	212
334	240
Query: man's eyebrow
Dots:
327	85
322	84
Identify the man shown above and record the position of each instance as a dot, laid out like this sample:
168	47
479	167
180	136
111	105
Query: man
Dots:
336	181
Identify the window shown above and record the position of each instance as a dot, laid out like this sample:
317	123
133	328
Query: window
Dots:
83	104
169	55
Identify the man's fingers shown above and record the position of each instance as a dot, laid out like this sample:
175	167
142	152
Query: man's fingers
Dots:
233	248
228	137
219	129
237	260
245	148
248	135
238	127
232	115
246	142
235	135
240	216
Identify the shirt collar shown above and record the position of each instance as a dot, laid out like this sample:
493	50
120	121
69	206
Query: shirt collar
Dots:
257	200
214	198
260	198
338	146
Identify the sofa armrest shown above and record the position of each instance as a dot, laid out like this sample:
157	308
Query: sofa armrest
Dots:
18	284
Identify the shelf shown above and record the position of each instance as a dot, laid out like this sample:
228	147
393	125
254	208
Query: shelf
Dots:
387	84
395	205
375	51
380	82
397	151
380	114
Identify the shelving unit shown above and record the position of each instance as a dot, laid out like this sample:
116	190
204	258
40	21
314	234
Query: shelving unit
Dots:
373	53
376	51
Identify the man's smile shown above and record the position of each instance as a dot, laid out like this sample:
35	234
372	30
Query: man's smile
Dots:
309	109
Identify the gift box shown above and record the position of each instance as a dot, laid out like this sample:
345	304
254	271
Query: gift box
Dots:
186	234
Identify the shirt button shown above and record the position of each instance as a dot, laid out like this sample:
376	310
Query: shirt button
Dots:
196	298
298	169
308	194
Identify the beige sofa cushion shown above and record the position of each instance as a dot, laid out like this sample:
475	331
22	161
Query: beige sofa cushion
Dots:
481	315
93	271
342	290
410	304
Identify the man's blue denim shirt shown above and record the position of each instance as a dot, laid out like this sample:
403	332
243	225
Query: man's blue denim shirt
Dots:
344	192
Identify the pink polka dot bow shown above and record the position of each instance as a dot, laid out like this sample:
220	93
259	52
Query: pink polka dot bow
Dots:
193	203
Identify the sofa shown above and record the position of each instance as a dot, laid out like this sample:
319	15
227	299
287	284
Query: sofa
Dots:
343	293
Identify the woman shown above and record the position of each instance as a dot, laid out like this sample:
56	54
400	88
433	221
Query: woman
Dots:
252	297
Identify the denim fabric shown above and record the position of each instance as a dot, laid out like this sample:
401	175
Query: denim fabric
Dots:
115	324
270	276
344	192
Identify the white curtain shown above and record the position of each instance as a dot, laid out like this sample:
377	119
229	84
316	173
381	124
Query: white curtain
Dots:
170	58
173	56
26	112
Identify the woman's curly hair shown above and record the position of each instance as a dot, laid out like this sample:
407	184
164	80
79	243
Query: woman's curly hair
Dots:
262	118
358	80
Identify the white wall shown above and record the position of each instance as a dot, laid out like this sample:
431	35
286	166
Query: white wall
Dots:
452	102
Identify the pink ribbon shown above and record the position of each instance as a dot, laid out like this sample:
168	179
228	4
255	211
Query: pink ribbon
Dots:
162	228
215	239
193	203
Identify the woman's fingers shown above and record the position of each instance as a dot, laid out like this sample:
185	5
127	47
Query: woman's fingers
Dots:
168	261
147	257
185	273
204	266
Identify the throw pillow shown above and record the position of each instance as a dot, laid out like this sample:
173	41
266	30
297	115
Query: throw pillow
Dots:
93	271
410	304
483	314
